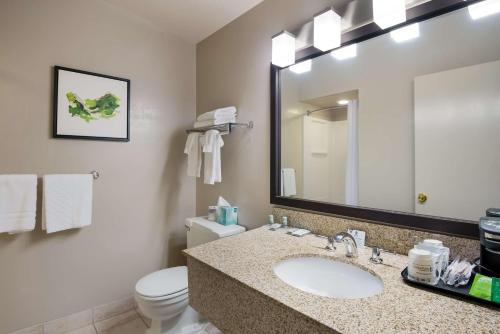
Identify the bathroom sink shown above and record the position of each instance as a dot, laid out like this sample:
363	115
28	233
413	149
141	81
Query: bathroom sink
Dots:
328	278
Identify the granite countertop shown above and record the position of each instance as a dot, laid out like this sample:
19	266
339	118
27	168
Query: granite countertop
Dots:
401	308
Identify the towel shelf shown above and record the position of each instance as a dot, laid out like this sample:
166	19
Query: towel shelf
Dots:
224	129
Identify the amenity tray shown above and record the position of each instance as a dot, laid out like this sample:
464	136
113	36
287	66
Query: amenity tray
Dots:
462	291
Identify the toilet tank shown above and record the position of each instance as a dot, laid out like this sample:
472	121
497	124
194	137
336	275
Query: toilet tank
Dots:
200	230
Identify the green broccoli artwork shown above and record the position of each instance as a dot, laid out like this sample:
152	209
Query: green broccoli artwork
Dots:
92	109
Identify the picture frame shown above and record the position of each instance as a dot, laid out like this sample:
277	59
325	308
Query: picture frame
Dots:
90	106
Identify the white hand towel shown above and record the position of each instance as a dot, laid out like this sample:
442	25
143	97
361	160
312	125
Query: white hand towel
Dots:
17	203
211	122
67	202
288	185
193	150
212	144
218	113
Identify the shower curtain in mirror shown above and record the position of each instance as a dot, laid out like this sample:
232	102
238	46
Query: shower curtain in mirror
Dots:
351	184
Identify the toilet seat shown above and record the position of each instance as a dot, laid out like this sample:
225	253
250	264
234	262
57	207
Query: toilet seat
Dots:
173	297
163	284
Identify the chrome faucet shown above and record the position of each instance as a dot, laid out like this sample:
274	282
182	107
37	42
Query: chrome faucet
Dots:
351	248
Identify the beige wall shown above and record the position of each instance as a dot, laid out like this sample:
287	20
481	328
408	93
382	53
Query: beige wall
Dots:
233	68
142	197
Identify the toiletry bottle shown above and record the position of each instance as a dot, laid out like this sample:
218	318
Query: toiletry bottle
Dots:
212	213
270	220
284	222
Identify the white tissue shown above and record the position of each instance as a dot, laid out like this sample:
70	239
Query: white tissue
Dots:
222	202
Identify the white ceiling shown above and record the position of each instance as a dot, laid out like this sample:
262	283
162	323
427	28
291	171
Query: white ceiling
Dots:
191	20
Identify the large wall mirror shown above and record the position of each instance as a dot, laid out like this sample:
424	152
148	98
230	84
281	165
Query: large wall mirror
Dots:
404	130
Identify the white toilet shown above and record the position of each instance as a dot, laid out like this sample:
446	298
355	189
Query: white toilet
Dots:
163	295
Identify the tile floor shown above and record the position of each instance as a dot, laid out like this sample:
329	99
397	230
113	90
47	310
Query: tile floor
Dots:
134	324
118	317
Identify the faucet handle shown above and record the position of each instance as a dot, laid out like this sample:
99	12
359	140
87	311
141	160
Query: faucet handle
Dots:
331	244
376	258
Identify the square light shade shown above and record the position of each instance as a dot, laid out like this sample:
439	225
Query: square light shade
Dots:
302	67
346	52
283	53
327	30
407	33
387	13
484	8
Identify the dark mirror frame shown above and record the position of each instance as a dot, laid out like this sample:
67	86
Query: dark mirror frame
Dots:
455	227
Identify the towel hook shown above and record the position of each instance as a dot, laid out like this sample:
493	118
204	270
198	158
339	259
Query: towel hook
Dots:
95	174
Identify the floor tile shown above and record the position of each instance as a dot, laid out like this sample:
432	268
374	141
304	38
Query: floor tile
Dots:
107	311
211	329
38	329
118	320
85	330
135	326
146	320
69	323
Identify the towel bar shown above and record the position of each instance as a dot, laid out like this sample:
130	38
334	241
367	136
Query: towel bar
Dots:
224	129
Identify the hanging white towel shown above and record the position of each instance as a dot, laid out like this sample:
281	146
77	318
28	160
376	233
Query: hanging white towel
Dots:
17	203
218	113
211	122
193	150
212	144
67	202
288	186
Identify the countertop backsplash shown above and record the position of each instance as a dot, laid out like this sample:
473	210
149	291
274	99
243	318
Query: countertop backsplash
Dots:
394	239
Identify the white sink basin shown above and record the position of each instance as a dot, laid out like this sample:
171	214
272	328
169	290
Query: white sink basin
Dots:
328	278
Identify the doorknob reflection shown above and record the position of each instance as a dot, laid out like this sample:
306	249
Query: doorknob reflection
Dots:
422	198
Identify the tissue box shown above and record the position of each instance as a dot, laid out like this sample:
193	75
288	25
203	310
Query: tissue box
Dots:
227	215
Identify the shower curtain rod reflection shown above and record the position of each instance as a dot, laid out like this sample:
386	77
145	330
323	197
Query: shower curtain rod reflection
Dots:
309	112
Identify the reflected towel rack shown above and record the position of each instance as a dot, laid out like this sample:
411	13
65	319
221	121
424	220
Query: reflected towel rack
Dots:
224	129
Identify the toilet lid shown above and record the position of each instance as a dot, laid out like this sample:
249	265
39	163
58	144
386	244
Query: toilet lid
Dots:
163	283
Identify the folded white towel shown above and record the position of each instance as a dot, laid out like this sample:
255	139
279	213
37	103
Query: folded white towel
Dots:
218	113
67	202
212	143
17	203
288	185
193	150
211	122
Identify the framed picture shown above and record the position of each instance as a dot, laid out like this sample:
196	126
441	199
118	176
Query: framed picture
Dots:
90	106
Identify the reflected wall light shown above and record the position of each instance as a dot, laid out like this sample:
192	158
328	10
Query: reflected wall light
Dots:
406	33
387	13
327	30
484	8
283	52
302	67
346	52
